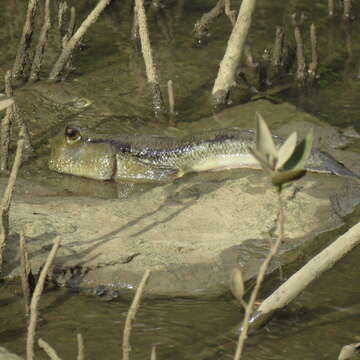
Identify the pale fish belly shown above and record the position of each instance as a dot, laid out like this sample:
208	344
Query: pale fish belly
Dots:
218	162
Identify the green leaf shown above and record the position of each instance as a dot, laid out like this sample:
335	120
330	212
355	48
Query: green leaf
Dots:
286	150
5	101
300	154
282	177
263	162
264	141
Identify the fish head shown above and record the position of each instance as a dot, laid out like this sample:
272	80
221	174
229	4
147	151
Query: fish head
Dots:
74	152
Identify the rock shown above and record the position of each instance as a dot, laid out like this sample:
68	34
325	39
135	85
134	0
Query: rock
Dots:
190	233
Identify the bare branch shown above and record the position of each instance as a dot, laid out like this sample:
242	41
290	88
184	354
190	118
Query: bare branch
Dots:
6	200
75	39
35	301
126	348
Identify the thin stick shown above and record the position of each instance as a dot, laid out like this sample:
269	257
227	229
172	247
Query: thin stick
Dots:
231	14
260	277
36	63
135	30
5	126
306	275
300	73
25	41
313	66
71	25
22	126
63	6
50	351
151	74
6	200
228	66
153	353
331	7
12	114
68	34
75	39
5	101
202	25
126	348
347	9
30	341
25	270
171	97
249	59
278	49
81	348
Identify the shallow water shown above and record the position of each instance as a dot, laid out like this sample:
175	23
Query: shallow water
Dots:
321	320
315	326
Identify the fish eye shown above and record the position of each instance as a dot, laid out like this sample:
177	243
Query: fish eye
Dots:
72	134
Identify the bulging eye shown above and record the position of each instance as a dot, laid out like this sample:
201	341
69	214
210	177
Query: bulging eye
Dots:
72	134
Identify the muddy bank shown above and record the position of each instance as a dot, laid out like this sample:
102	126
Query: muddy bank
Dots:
190	233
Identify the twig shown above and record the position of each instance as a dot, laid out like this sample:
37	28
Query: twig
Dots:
171	97
231	14
300	73
249	59
25	41
71	26
75	39
25	271
126	348
313	66
234	50
50	351
135	36
264	64
331	7
63	6
277	50
260	277
36	63
68	34
12	114
5	126
202	25
151	74
81	348
153	353
349	352
347	9
307	274
35	301
23	128
6	200
5	101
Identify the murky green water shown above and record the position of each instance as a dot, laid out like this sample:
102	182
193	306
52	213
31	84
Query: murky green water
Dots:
315	326
109	72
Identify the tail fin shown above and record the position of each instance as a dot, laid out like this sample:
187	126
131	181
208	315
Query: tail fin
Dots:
323	162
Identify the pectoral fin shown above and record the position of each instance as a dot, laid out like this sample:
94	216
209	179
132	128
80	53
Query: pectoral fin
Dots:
131	168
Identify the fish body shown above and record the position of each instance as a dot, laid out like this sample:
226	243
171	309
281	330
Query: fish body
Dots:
142	158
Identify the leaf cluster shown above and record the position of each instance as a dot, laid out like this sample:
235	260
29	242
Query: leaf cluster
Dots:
286	163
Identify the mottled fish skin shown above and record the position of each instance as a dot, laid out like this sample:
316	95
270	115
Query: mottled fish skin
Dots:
165	158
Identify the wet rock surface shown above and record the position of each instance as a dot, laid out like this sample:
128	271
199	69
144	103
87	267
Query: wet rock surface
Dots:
190	233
